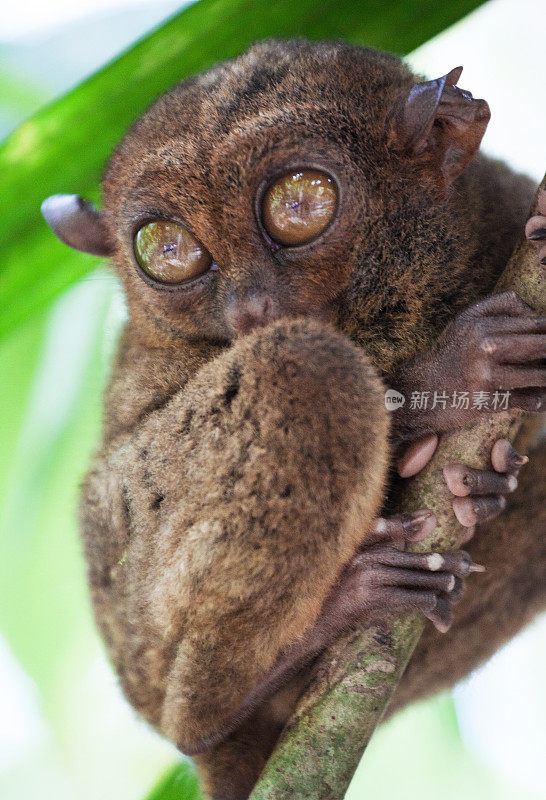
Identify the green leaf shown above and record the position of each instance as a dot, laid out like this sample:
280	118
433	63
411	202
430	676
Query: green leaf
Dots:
179	783
64	147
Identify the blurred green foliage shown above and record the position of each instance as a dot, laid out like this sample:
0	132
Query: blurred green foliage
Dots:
178	784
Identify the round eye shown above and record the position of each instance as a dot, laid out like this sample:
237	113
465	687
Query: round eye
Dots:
169	253
299	206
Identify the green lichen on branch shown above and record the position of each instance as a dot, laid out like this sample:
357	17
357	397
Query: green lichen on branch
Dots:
353	682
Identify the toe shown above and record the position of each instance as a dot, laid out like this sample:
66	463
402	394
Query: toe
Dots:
535	228
457	563
477	510
463	481
505	458
441	615
401	528
417	456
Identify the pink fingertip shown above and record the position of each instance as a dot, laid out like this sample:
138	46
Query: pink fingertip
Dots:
423	524
499	455
468	534
417	456
453	476
464	511
533	223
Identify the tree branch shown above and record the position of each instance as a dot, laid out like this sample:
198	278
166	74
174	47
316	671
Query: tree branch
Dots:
353	682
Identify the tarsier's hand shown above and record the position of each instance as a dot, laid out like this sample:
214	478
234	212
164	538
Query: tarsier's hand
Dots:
496	346
385	579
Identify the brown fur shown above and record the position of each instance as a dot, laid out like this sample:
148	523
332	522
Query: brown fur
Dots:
209	529
215	515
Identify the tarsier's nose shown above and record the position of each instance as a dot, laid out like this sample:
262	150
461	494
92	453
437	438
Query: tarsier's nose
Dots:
253	310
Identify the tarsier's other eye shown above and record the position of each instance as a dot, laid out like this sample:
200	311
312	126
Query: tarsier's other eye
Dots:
299	206
169	253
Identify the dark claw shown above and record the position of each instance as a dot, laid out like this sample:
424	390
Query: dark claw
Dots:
536	235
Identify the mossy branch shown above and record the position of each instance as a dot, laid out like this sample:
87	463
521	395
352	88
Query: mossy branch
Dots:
352	684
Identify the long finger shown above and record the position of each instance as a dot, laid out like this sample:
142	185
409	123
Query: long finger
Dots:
477	510
520	377
463	481
516	348
531	400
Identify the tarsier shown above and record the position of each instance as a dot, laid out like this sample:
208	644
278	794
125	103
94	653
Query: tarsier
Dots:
296	230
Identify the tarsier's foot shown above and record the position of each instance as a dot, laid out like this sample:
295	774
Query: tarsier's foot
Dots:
385	579
479	495
535	230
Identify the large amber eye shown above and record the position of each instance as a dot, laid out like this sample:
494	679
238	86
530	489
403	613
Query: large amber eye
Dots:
169	253
299	206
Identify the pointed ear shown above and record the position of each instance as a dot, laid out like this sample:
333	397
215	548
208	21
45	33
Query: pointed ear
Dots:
442	124
77	222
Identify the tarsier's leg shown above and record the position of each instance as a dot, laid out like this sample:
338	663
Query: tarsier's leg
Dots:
216	530
280	579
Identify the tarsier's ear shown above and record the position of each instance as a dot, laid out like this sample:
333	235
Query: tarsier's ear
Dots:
440	120
77	222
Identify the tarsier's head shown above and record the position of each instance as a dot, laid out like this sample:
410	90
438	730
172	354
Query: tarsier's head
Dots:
295	180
